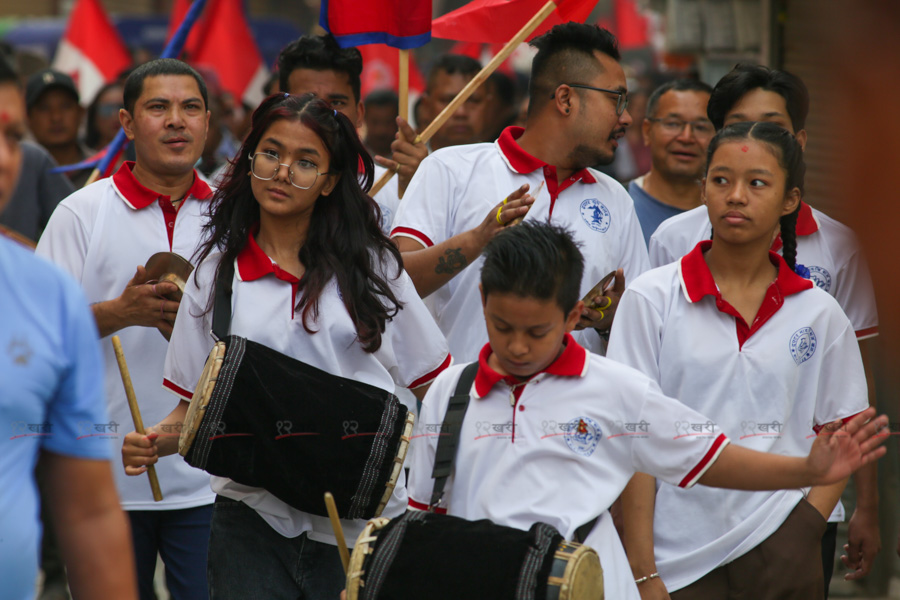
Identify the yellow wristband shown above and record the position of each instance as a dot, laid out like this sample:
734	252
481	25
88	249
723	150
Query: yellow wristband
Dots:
498	216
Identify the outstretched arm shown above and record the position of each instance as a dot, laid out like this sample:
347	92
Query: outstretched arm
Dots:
638	505
838	451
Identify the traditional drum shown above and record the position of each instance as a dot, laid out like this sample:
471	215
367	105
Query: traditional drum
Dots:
170	267
427	555
266	420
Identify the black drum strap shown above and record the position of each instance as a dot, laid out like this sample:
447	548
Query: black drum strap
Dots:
222	304
582	532
448	441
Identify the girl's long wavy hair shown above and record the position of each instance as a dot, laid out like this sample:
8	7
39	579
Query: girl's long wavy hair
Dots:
344	240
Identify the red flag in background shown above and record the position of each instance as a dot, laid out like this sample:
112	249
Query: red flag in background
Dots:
631	27
227	46
380	70
91	50
497	21
179	10
399	23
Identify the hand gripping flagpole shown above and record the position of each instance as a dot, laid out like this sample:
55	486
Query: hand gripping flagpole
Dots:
172	50
475	83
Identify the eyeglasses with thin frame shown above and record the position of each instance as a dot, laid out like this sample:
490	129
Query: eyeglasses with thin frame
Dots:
302	174
674	126
621	101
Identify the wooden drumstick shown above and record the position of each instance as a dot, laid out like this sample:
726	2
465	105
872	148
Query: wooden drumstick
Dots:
135	411
338	530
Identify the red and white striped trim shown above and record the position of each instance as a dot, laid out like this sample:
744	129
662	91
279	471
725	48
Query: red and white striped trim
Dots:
869	332
178	390
706	462
412	233
413	505
426	379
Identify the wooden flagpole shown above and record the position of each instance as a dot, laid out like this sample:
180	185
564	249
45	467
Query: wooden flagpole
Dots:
474	84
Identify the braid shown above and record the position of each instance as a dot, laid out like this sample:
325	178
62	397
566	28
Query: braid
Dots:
789	237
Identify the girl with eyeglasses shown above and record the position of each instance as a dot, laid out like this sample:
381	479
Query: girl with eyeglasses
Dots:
315	279
741	335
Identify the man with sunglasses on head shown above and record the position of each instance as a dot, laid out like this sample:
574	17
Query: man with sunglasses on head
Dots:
677	131
461	196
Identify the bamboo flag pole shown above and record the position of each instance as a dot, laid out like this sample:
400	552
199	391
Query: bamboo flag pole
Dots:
338	530
135	411
404	85
475	83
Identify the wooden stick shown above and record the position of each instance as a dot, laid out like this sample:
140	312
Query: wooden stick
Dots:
404	85
338	530
135	411
95	175
474	84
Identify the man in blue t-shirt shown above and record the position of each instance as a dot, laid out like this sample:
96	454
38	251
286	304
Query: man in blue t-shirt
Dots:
678	132
52	406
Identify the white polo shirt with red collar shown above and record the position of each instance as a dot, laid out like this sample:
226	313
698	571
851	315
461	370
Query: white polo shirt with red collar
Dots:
388	199
559	448
100	234
455	188
770	385
828	248
412	353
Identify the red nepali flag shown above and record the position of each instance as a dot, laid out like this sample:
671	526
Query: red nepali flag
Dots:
497	21
381	70
402	24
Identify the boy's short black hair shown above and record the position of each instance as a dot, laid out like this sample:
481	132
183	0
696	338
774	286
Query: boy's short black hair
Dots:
134	85
320	53
744	78
534	260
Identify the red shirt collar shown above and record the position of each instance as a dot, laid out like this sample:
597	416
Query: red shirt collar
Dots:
572	362
521	162
253	263
137	196
697	281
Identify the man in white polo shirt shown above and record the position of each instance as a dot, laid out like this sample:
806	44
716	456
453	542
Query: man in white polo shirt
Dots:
825	246
101	235
455	202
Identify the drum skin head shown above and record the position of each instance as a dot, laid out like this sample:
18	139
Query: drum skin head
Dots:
202	393
171	267
583	577
361	550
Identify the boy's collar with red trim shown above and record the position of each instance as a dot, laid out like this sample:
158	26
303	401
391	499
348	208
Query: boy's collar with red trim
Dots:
572	362
697	280
523	163
253	263
139	196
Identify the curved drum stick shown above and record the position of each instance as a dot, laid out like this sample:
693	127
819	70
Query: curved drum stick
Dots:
135	411
338	530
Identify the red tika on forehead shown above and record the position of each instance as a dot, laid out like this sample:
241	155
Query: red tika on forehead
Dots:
4	116
745	148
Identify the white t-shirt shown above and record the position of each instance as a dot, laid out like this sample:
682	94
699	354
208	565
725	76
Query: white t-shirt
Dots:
826	247
560	449
455	188
769	386
388	198
412	353
100	234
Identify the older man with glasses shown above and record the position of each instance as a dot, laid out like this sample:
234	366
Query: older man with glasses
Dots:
677	131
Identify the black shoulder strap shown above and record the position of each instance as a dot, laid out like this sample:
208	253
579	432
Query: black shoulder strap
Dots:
448	441
222	304
582	532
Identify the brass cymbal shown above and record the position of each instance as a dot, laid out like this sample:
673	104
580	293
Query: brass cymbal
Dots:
171	267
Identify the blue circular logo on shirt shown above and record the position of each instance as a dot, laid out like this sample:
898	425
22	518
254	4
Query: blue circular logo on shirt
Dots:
387	217
582	435
595	214
820	277
803	345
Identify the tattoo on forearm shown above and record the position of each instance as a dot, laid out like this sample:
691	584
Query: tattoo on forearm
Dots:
453	263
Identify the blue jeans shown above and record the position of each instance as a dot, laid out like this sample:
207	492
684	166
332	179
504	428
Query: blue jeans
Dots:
181	537
248	560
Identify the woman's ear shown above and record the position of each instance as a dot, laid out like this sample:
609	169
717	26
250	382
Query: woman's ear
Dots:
791	201
332	181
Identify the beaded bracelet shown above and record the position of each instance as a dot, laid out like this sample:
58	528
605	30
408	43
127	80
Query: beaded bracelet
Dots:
646	578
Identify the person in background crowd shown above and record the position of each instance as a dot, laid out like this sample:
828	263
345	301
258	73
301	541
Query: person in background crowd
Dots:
448	76
677	131
381	112
52	372
500	105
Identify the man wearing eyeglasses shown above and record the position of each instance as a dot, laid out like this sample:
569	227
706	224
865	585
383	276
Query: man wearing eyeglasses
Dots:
101	235
462	195
677	131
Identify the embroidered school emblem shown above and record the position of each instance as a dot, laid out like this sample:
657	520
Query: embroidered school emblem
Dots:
820	277
387	217
595	214
803	345
582	435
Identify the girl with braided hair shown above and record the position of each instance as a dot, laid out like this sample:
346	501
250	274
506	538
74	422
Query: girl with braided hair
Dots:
739	333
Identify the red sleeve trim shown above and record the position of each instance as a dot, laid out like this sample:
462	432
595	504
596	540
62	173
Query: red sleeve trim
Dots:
867	333
818	428
413	505
425	379
178	390
416	235
697	472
